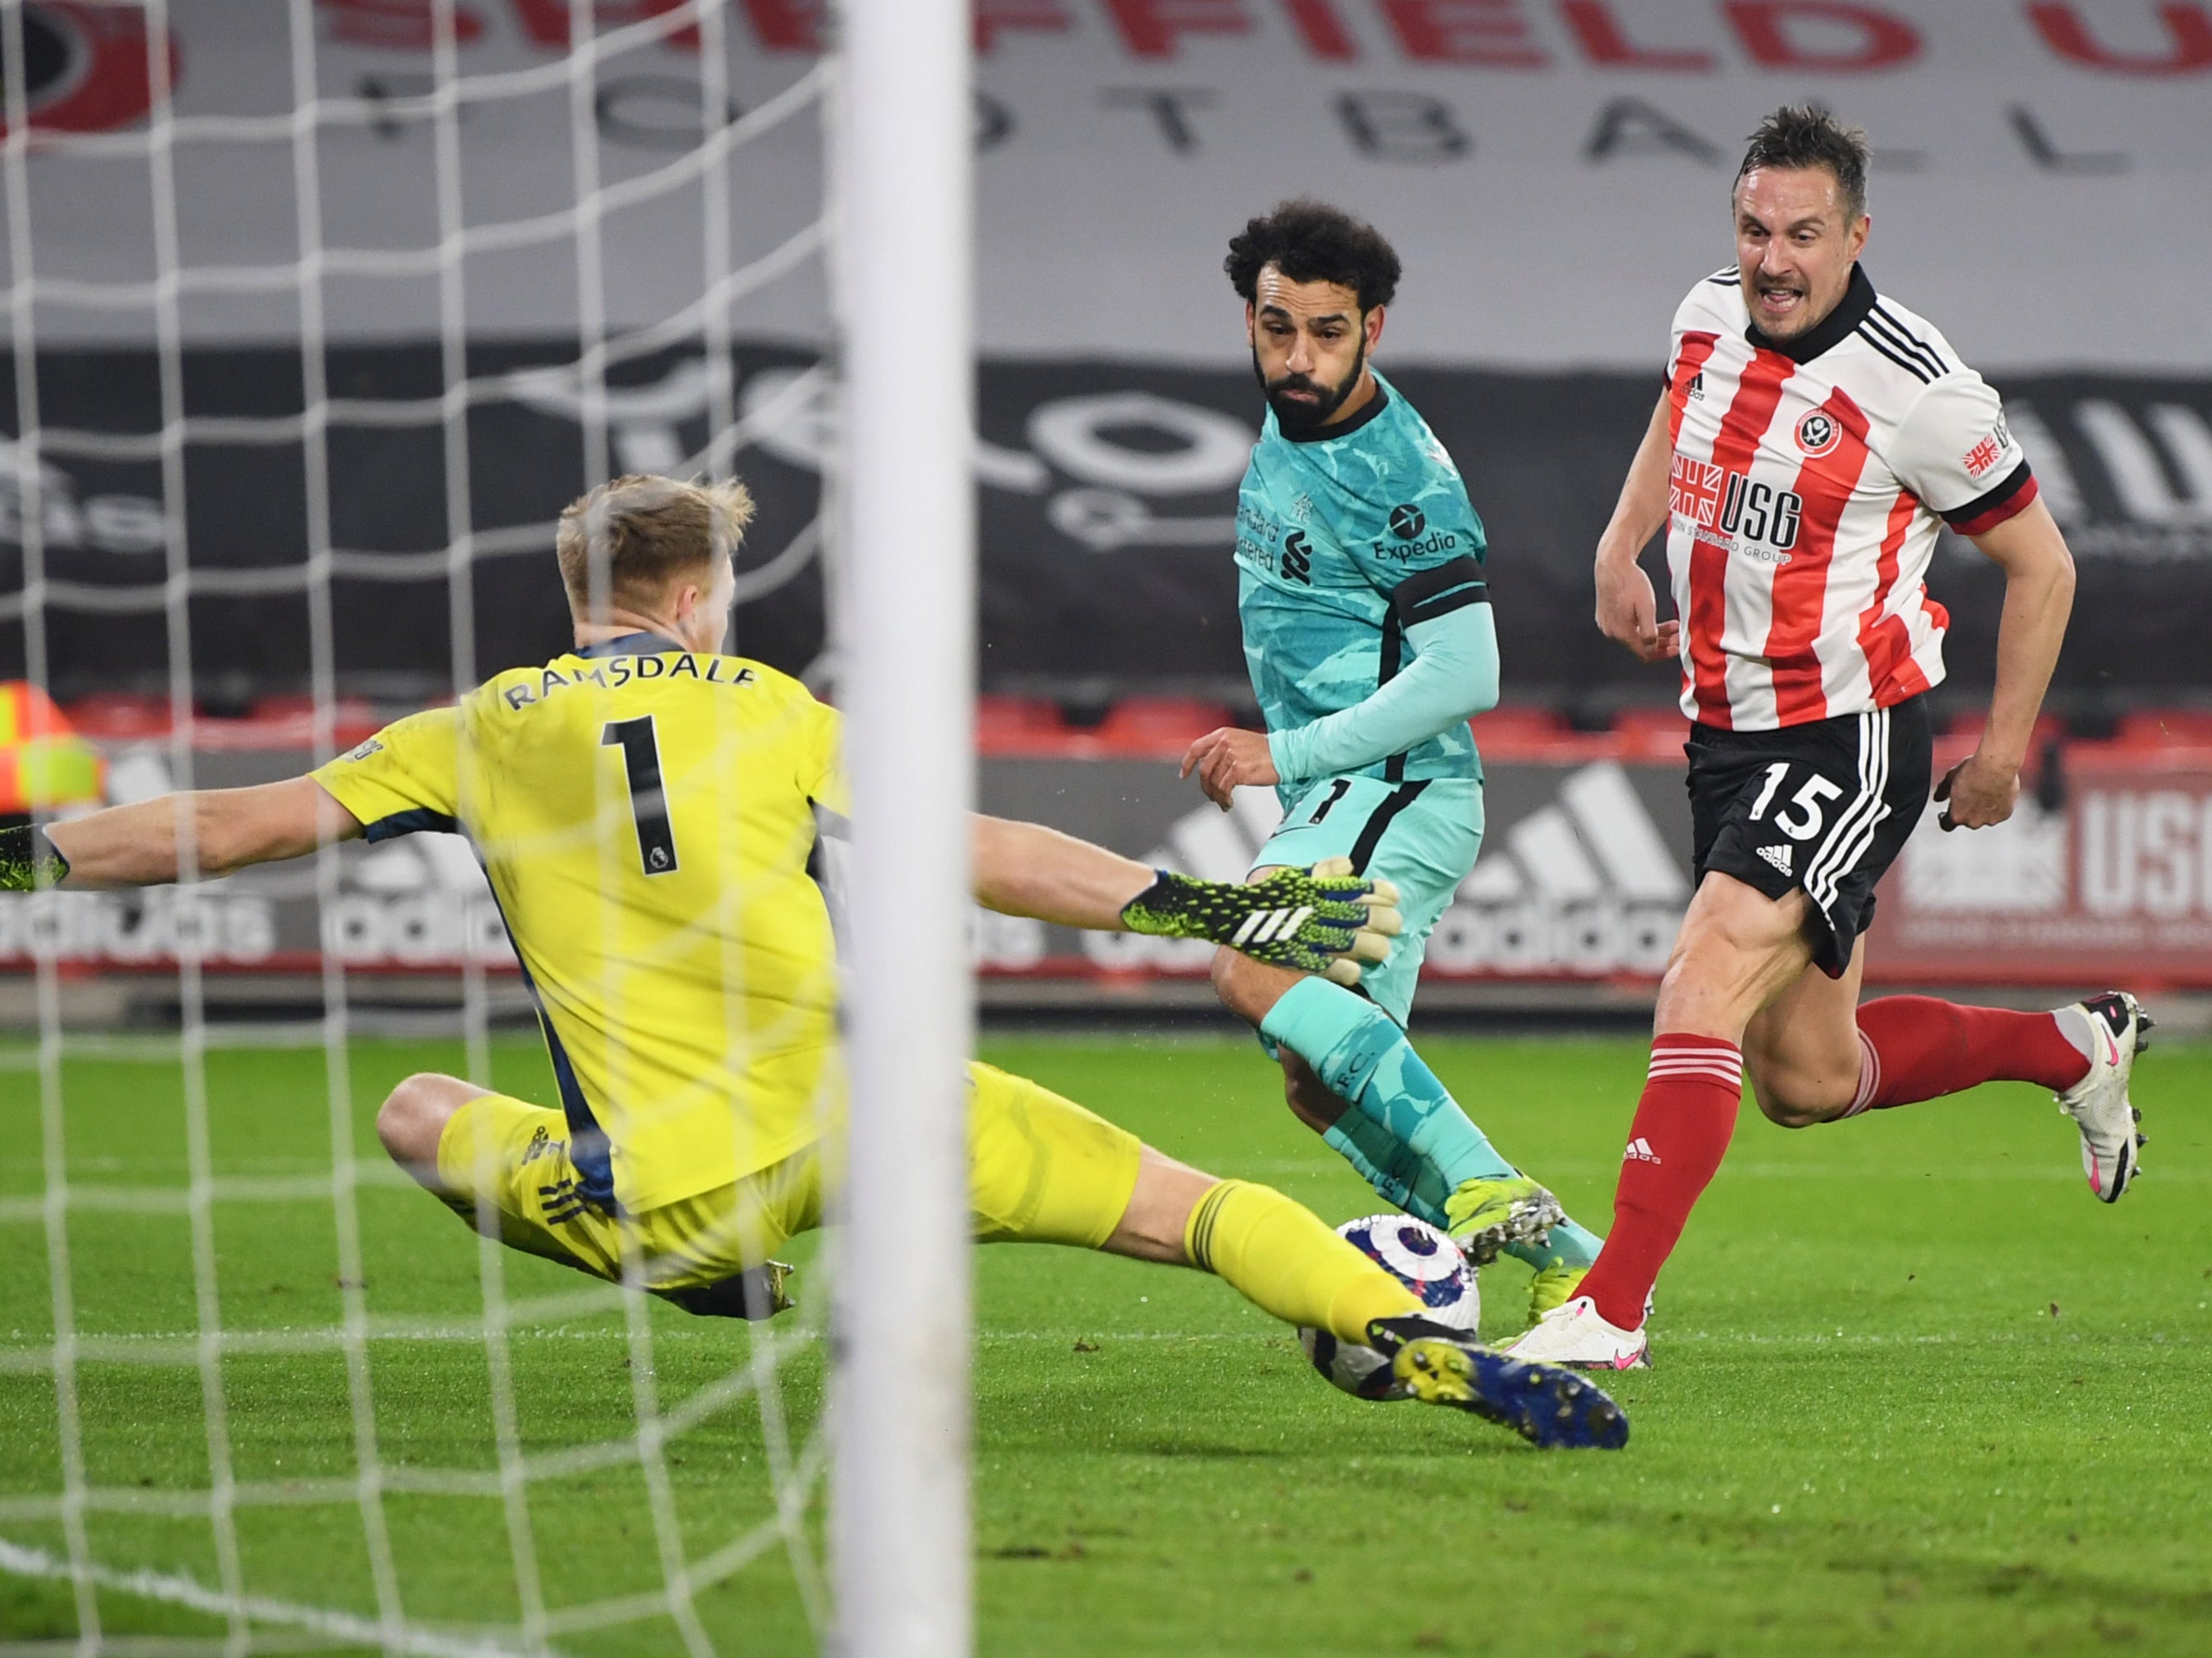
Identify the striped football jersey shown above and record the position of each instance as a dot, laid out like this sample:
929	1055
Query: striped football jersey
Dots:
1808	481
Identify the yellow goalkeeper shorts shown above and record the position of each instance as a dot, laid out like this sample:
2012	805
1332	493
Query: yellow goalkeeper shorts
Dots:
1042	1169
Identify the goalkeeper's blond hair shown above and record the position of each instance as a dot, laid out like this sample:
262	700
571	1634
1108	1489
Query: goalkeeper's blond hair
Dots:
635	536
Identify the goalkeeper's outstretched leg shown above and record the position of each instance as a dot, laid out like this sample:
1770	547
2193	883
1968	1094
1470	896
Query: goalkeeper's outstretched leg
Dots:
1042	1169
1285	1261
1046	1171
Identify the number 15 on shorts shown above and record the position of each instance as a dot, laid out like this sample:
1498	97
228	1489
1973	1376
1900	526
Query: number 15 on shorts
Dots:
1802	815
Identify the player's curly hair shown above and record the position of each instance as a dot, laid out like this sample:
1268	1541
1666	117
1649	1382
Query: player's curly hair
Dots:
1800	136
644	533
1311	241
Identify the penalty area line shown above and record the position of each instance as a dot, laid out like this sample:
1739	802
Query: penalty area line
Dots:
178	1590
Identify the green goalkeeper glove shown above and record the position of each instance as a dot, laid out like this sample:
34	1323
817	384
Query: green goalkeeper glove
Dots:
29	860
1324	920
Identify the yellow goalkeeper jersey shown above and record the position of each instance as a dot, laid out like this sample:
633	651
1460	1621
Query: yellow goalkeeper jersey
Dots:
646	815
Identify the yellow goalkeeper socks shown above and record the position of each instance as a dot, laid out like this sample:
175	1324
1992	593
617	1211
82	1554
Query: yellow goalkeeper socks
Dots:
1280	1256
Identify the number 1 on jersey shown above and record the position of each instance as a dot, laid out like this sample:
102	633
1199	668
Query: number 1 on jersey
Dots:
648	803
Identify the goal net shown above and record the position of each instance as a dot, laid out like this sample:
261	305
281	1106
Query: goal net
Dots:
319	312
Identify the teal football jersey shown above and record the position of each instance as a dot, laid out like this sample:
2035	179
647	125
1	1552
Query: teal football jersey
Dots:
1342	537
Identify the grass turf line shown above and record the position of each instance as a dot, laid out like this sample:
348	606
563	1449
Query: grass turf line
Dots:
1867	1429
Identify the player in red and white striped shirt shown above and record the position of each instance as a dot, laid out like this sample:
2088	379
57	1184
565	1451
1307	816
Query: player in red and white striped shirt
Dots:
1813	438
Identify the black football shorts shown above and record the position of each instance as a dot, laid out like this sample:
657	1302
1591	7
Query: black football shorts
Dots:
1824	808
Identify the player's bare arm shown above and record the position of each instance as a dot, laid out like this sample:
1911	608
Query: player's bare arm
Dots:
1325	919
1628	608
1027	869
1982	789
144	844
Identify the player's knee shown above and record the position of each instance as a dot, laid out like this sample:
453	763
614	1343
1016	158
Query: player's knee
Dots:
1795	1100
413	1117
1152	1225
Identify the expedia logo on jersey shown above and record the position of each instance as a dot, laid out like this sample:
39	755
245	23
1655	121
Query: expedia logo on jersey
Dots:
1411	537
1736	514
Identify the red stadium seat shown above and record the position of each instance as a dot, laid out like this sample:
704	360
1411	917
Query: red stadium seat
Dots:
290	720
1651	734
1968	724
1016	724
113	716
1520	731
2165	728
1161	726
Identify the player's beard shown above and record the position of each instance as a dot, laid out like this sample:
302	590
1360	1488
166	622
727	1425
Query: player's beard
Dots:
1292	416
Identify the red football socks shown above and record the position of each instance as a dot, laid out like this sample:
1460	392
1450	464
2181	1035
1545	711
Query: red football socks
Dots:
1682	1131
1915	1047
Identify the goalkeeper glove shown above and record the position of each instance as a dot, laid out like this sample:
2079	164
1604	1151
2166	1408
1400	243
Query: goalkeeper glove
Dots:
29	861
1324	920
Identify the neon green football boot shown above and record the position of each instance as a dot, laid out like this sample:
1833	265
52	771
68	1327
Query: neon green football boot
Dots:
1554	1286
1484	1217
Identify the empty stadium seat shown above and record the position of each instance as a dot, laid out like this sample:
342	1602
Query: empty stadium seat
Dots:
1011	724
284	721
1520	730
2165	728
1651	733
115	717
1158	725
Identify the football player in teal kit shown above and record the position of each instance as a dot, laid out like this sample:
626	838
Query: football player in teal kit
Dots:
1362	588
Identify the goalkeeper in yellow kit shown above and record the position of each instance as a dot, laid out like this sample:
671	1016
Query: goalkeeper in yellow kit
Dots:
647	810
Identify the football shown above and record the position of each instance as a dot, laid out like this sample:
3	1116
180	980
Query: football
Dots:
1427	1262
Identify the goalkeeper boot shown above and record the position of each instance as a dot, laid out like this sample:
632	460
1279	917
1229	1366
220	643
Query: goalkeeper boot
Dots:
1554	1286
1577	1334
1483	1216
1546	1406
2119	1030
758	1292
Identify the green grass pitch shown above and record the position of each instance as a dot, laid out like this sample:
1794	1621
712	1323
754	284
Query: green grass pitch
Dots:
1914	1392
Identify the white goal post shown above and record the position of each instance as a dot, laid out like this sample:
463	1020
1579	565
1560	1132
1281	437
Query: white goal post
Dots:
900	1549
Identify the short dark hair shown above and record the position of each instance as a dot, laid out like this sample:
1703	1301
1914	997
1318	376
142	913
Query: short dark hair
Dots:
1801	136
1311	241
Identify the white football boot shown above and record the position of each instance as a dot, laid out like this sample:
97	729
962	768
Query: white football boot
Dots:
1578	1336
2119	1030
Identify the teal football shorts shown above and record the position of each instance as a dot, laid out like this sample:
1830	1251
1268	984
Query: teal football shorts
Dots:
1423	836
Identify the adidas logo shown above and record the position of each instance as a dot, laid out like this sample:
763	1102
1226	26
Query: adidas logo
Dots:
1585	883
1596	840
1639	1151
1777	856
1265	925
1697	386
